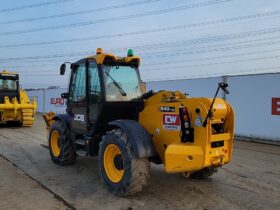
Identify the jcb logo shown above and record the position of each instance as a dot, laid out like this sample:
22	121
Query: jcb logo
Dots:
79	117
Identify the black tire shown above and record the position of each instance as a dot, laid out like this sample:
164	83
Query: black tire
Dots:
204	173
67	153
136	171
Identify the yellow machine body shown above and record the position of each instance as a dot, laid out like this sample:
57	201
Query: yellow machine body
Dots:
19	109
211	144
208	148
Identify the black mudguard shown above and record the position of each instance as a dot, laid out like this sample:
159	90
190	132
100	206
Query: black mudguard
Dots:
139	138
64	118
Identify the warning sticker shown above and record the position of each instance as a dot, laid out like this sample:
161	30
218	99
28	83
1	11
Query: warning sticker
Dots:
198	121
171	122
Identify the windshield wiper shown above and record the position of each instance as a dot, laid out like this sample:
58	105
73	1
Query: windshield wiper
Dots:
116	84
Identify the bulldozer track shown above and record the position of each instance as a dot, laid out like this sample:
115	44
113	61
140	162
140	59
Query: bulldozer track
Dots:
27	117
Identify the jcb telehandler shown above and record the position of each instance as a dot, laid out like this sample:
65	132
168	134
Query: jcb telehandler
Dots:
15	106
110	115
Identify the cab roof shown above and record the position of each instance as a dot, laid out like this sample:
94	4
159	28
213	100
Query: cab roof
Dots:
101	58
7	73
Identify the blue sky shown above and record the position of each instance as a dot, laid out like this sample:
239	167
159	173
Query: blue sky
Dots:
198	39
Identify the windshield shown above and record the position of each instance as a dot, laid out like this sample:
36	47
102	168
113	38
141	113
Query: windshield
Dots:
122	83
7	84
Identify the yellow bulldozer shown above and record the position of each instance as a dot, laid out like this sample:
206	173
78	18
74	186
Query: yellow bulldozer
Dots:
15	106
110	115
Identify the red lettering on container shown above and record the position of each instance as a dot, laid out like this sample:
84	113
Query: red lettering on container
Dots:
275	106
57	101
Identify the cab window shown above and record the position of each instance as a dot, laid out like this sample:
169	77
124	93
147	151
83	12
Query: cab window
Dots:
122	83
7	84
78	86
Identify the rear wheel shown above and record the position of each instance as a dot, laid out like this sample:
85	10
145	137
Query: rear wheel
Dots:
122	172
204	173
61	147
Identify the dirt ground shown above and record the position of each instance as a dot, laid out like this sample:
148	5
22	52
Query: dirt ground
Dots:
18	191
30	180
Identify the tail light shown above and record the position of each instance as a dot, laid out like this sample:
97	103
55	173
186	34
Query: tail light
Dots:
185	113
187	131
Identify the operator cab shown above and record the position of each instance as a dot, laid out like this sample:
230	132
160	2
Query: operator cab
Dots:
9	85
103	88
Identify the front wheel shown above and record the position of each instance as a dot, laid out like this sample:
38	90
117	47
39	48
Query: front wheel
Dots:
61	147
122	172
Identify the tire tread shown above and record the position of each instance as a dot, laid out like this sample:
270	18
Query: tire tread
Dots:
68	154
140	168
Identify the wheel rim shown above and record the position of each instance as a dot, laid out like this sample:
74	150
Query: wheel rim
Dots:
55	147
112	154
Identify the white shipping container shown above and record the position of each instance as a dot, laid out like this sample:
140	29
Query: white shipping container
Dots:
251	97
39	95
54	102
49	100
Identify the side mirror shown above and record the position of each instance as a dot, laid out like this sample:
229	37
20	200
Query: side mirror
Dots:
62	69
64	95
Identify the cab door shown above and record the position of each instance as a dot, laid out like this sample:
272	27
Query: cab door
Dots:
78	100
95	94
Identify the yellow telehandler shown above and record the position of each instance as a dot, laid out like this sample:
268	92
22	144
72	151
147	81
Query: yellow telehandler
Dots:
15	106
109	114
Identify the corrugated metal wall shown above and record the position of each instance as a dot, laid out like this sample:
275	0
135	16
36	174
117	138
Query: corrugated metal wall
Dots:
39	95
251	97
49	100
